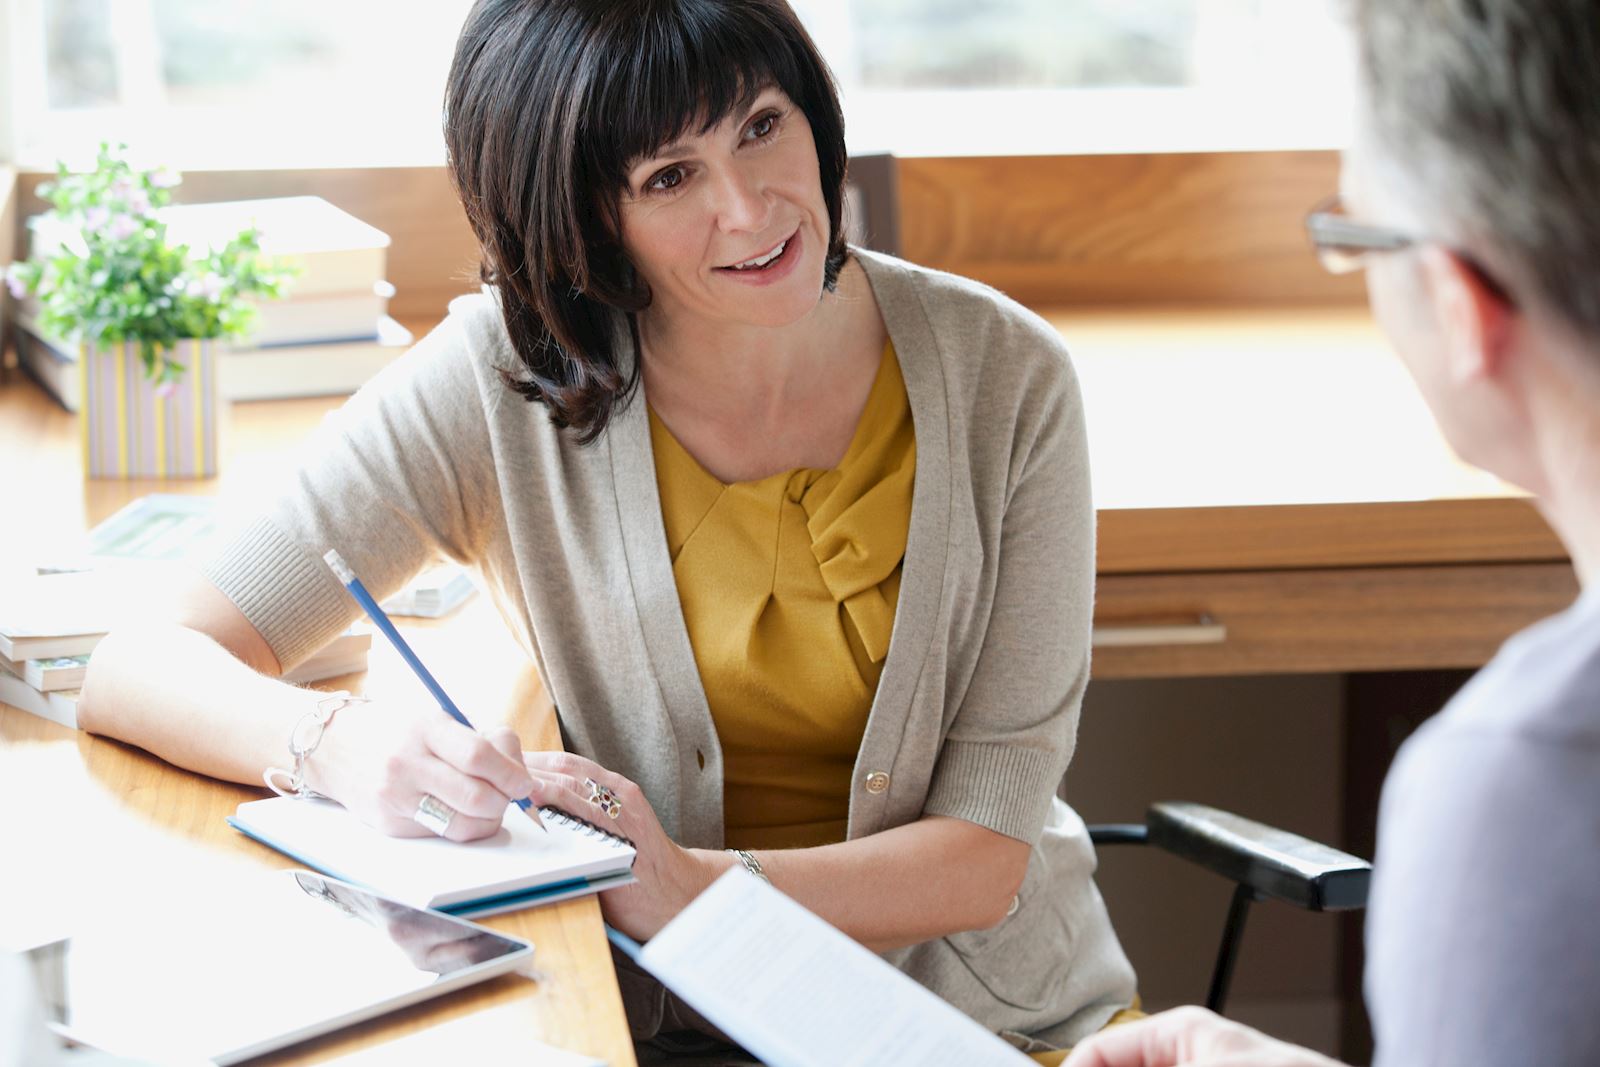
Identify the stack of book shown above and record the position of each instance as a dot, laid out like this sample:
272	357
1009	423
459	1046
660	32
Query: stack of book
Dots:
329	334
43	625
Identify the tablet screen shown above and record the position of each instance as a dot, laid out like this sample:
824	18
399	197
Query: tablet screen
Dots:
223	973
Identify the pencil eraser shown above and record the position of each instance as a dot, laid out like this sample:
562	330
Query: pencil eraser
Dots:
338	565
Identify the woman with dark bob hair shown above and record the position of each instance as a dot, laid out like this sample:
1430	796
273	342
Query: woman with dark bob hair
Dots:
799	536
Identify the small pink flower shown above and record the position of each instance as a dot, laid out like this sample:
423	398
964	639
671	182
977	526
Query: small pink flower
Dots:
15	283
121	188
166	389
96	217
122	227
162	178
139	202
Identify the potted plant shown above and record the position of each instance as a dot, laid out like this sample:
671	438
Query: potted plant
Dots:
143	313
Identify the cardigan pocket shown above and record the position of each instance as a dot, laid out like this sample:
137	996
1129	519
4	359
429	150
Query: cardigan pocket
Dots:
1024	959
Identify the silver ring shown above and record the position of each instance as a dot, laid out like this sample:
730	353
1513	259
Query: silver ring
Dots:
433	814
603	798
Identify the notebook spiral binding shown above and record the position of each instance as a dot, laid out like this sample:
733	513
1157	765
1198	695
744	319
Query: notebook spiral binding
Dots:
583	826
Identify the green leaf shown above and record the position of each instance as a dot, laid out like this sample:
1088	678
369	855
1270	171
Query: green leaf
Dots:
106	290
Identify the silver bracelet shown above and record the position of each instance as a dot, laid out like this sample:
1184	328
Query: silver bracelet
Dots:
751	864
303	741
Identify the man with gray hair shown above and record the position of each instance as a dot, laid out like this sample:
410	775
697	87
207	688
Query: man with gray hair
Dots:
1472	198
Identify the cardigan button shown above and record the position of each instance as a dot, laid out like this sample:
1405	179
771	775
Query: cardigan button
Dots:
877	782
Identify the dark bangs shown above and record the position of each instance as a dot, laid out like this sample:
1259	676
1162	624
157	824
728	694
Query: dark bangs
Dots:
691	65
549	104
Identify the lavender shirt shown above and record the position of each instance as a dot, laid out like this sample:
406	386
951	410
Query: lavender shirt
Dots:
1484	933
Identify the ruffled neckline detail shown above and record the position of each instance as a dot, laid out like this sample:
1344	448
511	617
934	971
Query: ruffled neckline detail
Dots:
856	514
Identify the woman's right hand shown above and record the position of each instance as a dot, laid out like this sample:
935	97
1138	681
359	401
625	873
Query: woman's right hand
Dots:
378	760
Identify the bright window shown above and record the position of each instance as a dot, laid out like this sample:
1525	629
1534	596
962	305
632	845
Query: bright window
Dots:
287	83
1070	44
978	77
261	83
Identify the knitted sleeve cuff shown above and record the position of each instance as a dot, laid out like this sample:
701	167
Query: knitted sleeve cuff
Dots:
288	595
1007	788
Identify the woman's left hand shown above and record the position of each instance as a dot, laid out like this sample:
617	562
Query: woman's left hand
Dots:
669	876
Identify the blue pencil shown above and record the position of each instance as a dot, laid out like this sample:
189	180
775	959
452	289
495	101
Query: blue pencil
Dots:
342	571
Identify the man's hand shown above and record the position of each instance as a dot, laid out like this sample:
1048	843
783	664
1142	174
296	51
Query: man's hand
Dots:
1189	1037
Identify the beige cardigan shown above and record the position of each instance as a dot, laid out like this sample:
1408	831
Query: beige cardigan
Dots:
976	712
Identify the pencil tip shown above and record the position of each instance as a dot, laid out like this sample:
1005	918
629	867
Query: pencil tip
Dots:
532	813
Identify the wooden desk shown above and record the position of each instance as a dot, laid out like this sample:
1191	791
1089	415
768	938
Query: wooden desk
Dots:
86	812
1275	474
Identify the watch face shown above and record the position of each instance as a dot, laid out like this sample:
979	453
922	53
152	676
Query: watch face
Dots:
208	975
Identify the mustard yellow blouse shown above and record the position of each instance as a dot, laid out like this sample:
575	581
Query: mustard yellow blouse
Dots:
788	586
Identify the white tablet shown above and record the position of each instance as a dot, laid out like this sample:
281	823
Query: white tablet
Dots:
221	972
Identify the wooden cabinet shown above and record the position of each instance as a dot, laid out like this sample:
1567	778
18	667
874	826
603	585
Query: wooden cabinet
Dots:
1327	619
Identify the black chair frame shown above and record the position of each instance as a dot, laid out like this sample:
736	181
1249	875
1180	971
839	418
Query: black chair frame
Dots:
1265	863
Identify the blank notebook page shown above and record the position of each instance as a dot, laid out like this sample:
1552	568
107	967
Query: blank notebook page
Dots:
431	871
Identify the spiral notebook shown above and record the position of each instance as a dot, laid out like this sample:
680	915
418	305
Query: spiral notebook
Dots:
517	867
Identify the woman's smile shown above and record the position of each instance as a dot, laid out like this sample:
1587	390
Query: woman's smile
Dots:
769	267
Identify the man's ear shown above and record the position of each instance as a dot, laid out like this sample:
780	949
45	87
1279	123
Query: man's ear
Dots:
1473	316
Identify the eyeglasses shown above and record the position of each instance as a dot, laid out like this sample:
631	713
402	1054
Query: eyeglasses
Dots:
1343	244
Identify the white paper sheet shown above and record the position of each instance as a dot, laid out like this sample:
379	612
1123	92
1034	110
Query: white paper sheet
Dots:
798	993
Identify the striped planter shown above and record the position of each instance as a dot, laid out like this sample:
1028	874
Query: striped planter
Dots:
130	430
